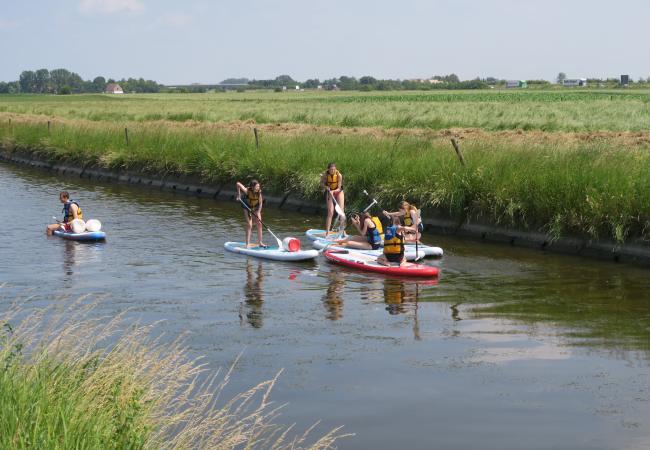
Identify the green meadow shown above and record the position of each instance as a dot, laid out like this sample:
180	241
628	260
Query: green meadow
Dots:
559	162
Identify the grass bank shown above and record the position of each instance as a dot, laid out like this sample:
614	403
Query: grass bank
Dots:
68	381
560	184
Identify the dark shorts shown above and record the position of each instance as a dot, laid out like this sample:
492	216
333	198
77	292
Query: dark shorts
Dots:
66	227
394	257
375	246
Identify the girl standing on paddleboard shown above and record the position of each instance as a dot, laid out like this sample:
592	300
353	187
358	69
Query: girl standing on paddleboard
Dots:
332	183
253	202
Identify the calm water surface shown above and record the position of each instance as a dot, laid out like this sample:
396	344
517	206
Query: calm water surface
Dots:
510	349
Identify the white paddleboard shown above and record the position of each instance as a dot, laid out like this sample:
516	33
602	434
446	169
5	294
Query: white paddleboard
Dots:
273	253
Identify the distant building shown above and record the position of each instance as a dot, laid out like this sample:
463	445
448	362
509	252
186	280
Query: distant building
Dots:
113	88
574	82
516	84
625	80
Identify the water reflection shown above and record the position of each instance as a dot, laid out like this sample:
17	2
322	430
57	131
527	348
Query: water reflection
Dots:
333	298
254	294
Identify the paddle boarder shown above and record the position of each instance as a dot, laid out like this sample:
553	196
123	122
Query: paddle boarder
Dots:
410	218
331	182
71	210
254	199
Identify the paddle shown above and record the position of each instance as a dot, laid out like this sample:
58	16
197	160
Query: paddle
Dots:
337	208
260	221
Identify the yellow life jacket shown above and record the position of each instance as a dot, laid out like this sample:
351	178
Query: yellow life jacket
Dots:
333	180
394	245
67	214
253	199
380	228
407	220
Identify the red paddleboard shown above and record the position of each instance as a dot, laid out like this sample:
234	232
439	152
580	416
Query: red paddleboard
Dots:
369	263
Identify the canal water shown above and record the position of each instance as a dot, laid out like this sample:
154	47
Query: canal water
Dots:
509	349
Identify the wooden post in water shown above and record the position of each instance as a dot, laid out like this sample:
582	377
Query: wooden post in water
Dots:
126	135
454	142
257	139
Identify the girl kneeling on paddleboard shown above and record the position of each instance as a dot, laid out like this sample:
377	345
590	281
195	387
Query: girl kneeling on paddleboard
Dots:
393	246
253	200
332	183
409	215
370	231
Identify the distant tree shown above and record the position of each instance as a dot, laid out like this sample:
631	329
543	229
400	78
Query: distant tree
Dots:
4	87
561	77
99	84
65	90
235	81
285	80
27	81
348	83
42	81
367	80
311	84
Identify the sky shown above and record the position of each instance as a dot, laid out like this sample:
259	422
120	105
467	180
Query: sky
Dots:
181	42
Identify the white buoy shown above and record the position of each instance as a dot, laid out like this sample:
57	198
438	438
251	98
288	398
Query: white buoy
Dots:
78	226
93	225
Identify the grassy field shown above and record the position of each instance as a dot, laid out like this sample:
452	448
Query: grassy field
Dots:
565	110
593	183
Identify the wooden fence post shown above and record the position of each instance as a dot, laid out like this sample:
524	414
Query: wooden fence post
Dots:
257	139
126	135
48	127
454	142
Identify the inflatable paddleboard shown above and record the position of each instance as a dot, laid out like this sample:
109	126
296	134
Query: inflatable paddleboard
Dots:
369	264
273	253
84	236
429	250
409	251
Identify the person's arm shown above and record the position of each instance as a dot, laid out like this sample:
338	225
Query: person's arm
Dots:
259	207
75	211
323	181
357	224
240	188
390	215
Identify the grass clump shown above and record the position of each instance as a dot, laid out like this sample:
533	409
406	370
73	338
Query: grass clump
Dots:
68	381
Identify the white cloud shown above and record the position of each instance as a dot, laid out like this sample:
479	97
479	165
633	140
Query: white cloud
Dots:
110	6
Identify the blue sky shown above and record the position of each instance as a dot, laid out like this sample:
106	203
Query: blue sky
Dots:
207	41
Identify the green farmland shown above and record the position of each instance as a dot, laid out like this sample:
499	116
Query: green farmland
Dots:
562	162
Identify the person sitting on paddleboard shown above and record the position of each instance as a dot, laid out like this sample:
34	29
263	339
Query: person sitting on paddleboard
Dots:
408	215
393	246
370	231
71	211
254	200
332	183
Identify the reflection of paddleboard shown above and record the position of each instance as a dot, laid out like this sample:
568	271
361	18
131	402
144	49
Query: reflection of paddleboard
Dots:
85	236
369	264
270	252
409	252
314	234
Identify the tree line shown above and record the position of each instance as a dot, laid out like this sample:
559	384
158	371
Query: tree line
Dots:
369	83
63	81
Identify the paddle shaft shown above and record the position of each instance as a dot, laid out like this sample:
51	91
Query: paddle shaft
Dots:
260	221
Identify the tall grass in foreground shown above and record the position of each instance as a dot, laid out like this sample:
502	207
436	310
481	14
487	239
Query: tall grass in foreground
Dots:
68	381
596	188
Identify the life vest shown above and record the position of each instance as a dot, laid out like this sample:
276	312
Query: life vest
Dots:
393	242
380	227
407	221
253	199
373	236
67	214
333	180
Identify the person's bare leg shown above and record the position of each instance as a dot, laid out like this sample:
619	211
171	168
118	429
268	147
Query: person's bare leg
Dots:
249	226
340	198
382	260
259	229
52	228
330	214
361	245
